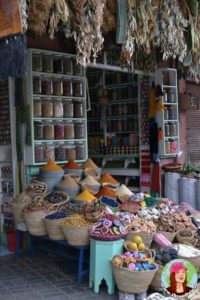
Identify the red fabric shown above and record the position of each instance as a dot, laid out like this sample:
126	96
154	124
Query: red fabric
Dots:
155	178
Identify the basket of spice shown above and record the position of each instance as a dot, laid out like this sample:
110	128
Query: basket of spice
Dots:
185	236
57	198
189	253
134	272
76	229
93	213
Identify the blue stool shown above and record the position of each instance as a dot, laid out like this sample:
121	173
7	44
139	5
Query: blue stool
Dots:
101	253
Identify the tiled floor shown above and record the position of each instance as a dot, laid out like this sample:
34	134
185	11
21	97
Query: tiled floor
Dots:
40	278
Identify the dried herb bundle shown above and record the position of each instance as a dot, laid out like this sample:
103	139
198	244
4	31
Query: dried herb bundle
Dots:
87	23
38	17
23	7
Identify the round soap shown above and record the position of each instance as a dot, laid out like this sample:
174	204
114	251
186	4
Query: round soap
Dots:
131	266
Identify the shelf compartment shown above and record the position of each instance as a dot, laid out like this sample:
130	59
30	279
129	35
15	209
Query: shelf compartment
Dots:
169	86
57	97
56	75
58	119
119	85
58	162
123	172
54	141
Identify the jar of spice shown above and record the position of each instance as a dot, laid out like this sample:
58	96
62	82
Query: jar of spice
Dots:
67	66
49	151
57	87
78	109
47	88
47	63
60	152
172	129
37	107
47	108
39	153
37	62
70	151
49	130
79	131
172	113
77	88
37	85
69	130
59	131
67	88
171	96
167	146
39	130
58	64
173	146
78	69
166	113
80	151
166	129
58	109
68	107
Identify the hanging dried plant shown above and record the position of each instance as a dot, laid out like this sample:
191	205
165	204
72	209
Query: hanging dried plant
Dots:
38	17
87	24
23	7
109	21
172	25
59	14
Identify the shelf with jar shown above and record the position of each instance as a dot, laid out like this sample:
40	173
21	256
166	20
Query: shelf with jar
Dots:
56	89
168	118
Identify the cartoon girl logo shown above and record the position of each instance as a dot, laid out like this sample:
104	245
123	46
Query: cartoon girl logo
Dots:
179	278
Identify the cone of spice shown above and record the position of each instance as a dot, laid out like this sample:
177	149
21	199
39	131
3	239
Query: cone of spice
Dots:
89	164
69	186
106	178
106	191
123	193
90	181
72	165
51	166
90	184
85	196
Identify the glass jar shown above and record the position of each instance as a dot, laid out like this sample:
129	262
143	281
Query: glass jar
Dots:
77	88
49	152
59	131
172	129
171	96
167	146
39	130
67	88
60	152
78	69
47	88
58	64
70	151
80	151
58	109
166	113
173	146
67	66
166	129
37	62
37	85
39	152
47	108
79	131
78	109
47	63
37	107
68	107
171	113
49	130
57	87
69	130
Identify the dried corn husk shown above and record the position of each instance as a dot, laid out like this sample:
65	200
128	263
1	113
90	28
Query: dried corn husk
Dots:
171	36
59	13
38	17
23	14
87	23
109	21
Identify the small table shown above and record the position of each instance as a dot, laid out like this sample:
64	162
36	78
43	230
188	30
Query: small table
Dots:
101	253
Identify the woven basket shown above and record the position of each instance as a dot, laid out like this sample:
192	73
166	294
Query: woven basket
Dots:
147	238
184	239
169	235
34	222
76	236
156	282
54	229
132	282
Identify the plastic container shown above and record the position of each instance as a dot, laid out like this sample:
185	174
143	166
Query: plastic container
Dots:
70	151
49	130
80	151
37	85
167	146
78	109
68	107
39	152
47	63
47	108
58	64
166	129
77	88
171	96
166	113
47	88
67	66
60	154
58	109
49	152
69	130
171	113
172	129
79	130
37	62
59	131
57	87
39	130
78	69
67	88
173	146
37	107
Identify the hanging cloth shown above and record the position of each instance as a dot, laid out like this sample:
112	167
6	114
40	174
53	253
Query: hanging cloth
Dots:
155	179
153	128
152	102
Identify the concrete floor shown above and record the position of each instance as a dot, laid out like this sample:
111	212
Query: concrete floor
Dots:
43	277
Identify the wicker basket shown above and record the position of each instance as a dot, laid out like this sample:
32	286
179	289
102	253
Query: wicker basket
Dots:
132	282
156	282
76	236
34	222
169	235
147	238
54	229
184	239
